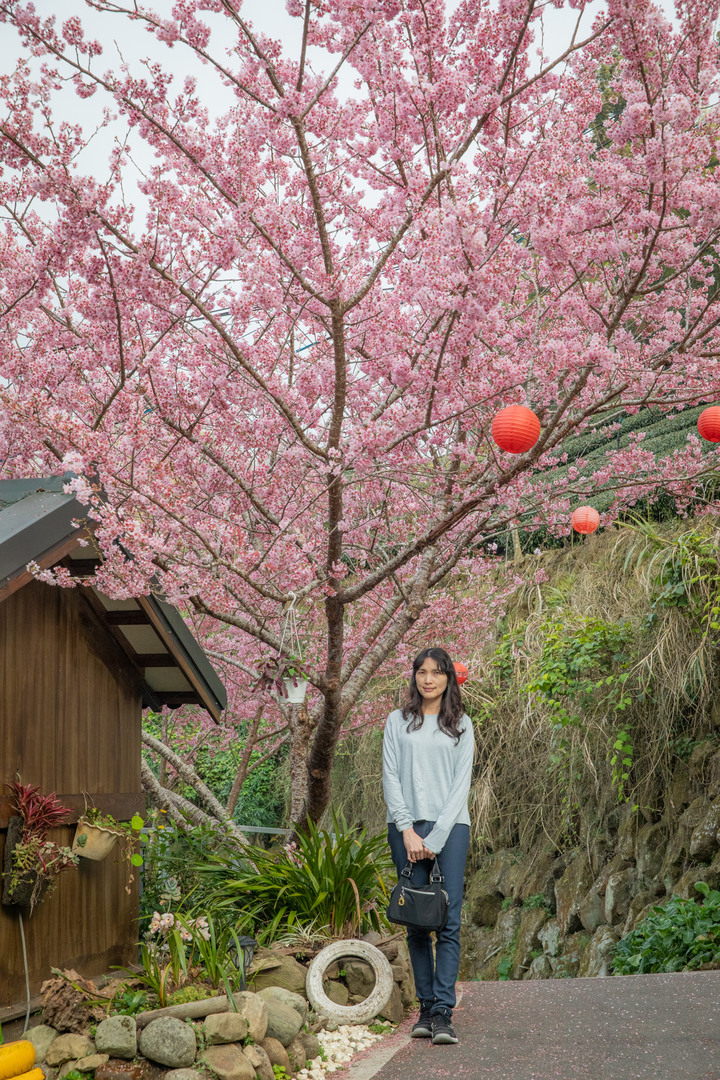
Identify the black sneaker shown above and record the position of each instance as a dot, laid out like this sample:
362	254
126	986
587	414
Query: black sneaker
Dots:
423	1029
442	1029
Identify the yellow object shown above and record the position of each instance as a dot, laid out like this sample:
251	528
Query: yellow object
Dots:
34	1074
16	1058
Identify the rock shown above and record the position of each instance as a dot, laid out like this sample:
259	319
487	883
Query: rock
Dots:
311	1044
488	887
283	1022
120	1070
679	794
539	872
713	768
698	765
42	1037
549	937
227	1027
592	911
65	1008
388	947
287	997
91	1062
685	886
695	812
638	903
650	848
673	863
570	891
625	842
261	1062
539	969
184	1074
704	840
618	895
597	956
48	1073
117	1036
393	1011
642	913
297	1055
403	976
69	1048
64	1069
476	944
285	971
359	977
277	1053
336	991
228	1062
531	922
568	963
254	1009
168	1041
507	925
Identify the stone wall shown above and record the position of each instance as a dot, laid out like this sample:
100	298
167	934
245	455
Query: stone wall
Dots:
544	913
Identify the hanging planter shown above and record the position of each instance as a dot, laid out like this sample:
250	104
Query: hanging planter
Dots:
284	672
709	424
97	834
295	688
93	841
515	429
585	519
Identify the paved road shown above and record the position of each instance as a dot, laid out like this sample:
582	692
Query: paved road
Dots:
640	1027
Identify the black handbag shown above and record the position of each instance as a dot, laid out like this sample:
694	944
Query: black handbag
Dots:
425	906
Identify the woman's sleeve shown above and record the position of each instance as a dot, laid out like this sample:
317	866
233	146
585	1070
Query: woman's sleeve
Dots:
457	798
391	780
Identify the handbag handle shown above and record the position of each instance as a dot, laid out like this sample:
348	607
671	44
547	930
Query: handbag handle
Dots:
436	874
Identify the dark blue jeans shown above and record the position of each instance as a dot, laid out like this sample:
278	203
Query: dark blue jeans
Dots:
435	977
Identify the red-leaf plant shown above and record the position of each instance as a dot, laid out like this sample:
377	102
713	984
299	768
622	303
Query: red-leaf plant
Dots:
35	859
40	813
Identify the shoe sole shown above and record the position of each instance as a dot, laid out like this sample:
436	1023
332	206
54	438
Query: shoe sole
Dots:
444	1040
421	1033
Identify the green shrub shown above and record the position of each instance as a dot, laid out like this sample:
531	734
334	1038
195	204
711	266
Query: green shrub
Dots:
681	936
537	900
329	883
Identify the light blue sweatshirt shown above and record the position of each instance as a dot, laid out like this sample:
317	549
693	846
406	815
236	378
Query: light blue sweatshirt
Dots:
426	776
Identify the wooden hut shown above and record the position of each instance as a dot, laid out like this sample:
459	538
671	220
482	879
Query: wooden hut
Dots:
76	669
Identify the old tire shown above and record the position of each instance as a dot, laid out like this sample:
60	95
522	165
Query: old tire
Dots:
349	1014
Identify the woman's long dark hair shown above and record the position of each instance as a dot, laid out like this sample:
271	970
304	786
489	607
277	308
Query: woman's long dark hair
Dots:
451	706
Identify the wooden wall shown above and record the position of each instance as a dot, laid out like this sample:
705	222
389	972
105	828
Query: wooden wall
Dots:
70	711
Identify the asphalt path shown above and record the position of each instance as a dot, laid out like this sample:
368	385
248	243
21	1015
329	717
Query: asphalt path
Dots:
637	1027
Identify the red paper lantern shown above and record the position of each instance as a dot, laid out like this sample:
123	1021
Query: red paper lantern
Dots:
709	423
461	672
585	519
515	429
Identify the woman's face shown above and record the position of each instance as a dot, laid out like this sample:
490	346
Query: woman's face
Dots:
430	680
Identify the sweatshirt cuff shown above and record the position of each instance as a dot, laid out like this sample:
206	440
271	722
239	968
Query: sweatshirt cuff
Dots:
403	822
435	840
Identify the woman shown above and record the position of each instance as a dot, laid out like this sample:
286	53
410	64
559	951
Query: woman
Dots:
428	750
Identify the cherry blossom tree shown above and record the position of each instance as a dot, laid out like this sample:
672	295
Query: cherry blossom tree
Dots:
274	370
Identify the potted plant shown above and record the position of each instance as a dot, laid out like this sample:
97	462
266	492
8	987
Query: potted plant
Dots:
32	863
97	834
285	675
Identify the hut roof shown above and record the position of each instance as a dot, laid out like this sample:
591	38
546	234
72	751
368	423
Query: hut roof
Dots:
42	524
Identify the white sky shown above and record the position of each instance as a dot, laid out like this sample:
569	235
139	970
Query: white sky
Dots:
121	37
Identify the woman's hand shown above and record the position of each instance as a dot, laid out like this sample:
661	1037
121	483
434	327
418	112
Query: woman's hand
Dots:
414	846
